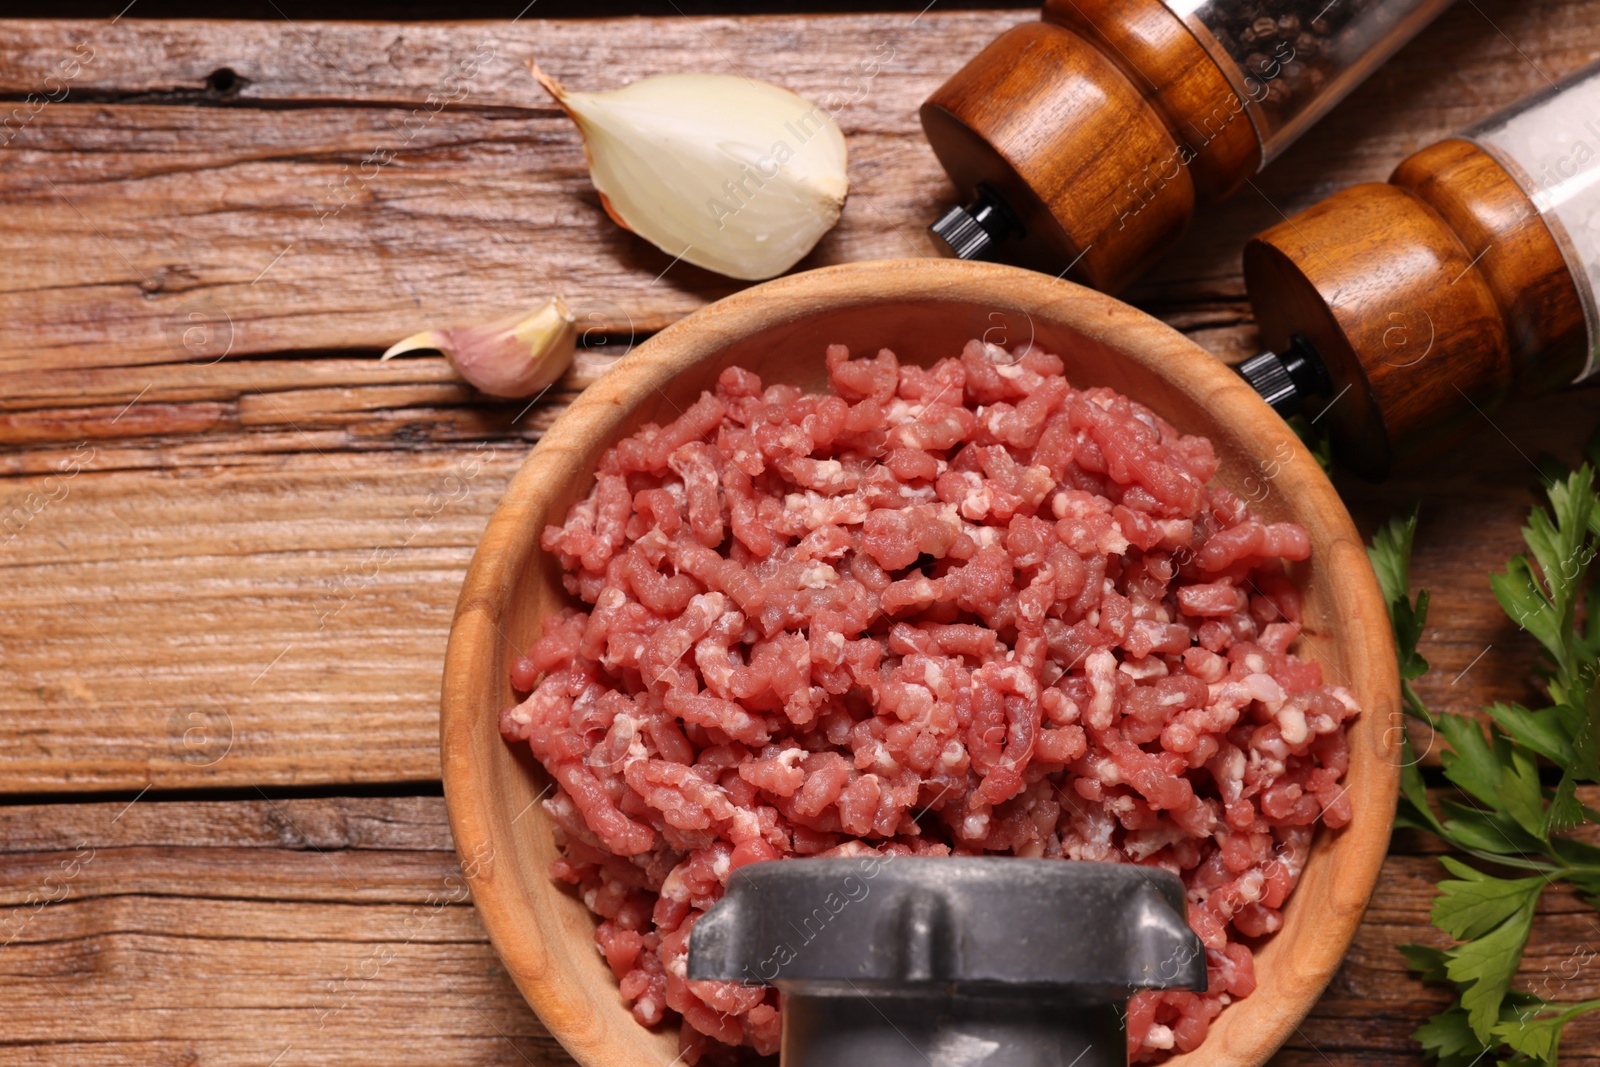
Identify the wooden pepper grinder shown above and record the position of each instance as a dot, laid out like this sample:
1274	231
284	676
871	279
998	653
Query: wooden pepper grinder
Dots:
1413	308
1085	141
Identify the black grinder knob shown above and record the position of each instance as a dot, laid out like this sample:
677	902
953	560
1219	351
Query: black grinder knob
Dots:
950	962
972	232
1285	380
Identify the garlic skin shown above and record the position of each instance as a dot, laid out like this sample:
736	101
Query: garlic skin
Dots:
734	175
513	357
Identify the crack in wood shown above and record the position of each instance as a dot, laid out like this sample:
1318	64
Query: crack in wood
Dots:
205	96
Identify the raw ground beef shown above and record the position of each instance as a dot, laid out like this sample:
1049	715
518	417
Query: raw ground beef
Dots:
966	609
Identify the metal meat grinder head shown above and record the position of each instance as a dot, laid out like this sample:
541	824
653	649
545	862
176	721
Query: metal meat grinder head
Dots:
950	962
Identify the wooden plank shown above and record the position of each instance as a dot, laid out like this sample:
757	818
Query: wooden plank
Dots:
222	507
230	931
169	643
1473	505
243	933
306	618
395	824
309	208
201	603
320	209
290	63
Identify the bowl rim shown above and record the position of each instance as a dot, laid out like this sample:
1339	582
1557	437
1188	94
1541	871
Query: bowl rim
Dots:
703	334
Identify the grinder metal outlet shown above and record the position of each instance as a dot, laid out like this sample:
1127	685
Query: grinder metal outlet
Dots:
958	962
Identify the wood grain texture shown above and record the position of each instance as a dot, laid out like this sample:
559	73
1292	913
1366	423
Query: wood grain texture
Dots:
361	181
1491	213
277	476
1431	299
1033	116
202	602
163	201
1391	300
227	932
229	502
246	933
1162	56
1101	129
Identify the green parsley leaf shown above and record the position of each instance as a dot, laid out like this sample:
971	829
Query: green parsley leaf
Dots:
1414	811
1488	964
1469	762
1507	816
1541	731
1390	553
1559	542
1526	603
1316	439
1491	832
1585	733
1448	1036
1409	622
1427	961
1474	903
1565	811
1589	886
1520	795
1533	1031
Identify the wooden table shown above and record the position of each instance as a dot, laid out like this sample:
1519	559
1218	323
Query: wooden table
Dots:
229	573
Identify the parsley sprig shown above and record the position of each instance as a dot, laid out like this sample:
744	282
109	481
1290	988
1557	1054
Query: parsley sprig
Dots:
1506	818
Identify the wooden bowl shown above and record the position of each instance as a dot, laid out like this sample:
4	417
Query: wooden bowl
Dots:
924	310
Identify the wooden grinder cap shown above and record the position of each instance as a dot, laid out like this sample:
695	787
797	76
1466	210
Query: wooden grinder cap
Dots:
1430	299
1100	128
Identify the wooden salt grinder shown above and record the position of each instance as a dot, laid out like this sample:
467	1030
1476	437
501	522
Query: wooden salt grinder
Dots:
1415	306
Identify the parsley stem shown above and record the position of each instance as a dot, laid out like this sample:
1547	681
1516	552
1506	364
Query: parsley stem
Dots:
1520	862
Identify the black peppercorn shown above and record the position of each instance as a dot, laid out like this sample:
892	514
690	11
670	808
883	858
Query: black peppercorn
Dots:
1287	50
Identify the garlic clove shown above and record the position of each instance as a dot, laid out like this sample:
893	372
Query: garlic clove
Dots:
735	175
513	357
